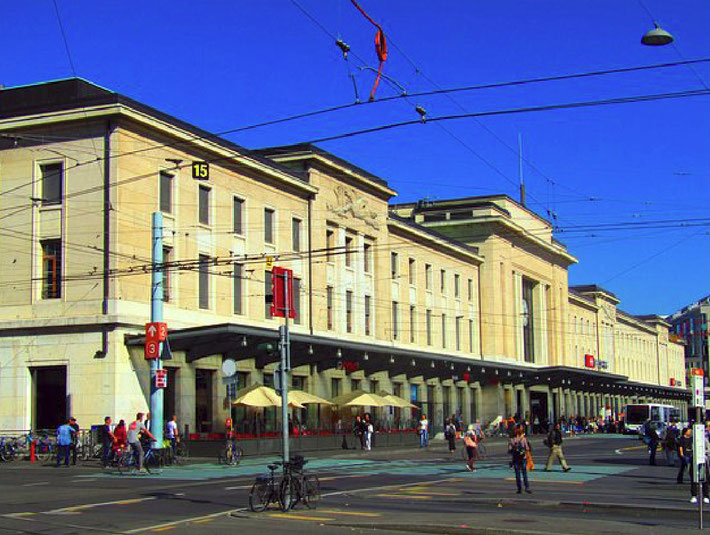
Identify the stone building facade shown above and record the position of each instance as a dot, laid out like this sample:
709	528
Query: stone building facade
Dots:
461	306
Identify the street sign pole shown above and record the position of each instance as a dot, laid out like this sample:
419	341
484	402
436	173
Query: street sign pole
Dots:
698	474
285	368
156	315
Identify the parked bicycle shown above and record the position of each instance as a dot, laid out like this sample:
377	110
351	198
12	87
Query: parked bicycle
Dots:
231	453
265	490
297	486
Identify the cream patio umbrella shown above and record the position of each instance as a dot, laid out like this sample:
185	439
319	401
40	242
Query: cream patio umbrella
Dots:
258	395
396	401
304	398
360	398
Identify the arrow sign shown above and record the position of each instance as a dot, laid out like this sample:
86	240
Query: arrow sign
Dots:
156	331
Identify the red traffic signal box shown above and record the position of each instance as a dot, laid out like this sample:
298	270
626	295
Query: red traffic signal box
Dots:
282	291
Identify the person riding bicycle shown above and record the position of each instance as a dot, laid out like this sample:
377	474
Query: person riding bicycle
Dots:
136	430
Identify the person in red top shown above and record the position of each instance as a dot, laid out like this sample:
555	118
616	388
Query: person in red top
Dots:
119	436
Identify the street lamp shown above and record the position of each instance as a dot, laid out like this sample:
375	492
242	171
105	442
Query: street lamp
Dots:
657	37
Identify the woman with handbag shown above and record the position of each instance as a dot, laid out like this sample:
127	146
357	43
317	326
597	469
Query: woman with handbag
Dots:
518	447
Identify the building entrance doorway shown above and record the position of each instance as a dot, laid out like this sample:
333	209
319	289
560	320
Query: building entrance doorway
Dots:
539	411
49	397
203	400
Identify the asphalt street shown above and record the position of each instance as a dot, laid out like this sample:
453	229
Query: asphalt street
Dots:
611	489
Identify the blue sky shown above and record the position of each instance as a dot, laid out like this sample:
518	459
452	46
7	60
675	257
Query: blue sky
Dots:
223	65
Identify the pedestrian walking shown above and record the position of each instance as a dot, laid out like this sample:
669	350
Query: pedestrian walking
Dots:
75	439
359	431
450	435
518	447
470	441
554	442
107	438
65	438
670	445
172	434
368	431
423	430
651	438
685	453
137	429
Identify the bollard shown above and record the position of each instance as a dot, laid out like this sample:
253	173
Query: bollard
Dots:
32	451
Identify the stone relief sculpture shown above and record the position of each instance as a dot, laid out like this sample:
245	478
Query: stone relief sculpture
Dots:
347	202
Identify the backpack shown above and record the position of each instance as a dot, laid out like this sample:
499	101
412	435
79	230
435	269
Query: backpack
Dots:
447	432
518	450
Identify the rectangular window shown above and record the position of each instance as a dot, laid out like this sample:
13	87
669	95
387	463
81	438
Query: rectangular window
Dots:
268	225
394	262
412	271
459	319
412	322
428	327
52	183
349	251
469	286
443	281
395	320
368	300
51	269
204	282
336	386
167	273
354	384
329	244
297	301
329	306
349	311
457	285
443	330
367	257
268	295
296	234
238	215
166	192
470	335
238	278
204	205
427	276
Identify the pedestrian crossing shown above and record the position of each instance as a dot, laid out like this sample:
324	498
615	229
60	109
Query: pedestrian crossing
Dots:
365	467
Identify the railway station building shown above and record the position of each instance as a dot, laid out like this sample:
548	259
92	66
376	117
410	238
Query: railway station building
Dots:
462	306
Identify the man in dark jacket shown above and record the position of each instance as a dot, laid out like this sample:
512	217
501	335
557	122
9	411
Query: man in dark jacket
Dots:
554	442
653	439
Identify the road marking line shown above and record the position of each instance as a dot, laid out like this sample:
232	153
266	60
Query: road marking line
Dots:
239	487
406	496
166	528
203	521
299	517
18	515
547	481
352	513
427	493
36	484
92	505
83	479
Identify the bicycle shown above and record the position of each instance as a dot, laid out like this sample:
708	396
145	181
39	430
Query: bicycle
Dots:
7	449
482	451
153	460
231	454
265	491
298	487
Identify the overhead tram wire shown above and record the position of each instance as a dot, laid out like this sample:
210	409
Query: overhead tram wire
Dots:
511	111
331	109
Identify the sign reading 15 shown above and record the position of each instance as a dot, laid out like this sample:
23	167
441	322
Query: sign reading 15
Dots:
200	170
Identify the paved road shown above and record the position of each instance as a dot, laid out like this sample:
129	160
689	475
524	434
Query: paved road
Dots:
609	490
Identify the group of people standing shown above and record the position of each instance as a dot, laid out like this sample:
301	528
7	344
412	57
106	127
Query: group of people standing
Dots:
678	446
364	429
114	438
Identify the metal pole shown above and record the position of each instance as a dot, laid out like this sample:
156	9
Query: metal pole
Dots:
698	419
156	314
285	352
